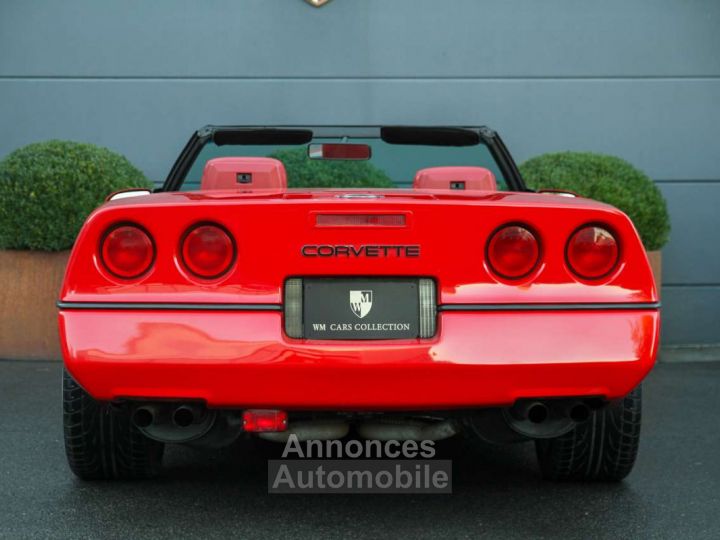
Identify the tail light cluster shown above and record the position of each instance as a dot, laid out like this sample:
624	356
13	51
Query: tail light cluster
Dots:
514	252
592	252
127	251
206	251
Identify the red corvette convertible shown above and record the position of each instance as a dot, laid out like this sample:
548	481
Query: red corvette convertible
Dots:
227	303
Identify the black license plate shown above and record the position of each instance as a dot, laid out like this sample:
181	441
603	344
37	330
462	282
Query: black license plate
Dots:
360	308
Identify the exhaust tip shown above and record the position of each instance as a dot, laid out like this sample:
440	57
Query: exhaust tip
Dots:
143	417
579	412
537	413
183	416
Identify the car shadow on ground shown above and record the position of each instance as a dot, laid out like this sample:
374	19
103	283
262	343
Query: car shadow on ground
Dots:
496	488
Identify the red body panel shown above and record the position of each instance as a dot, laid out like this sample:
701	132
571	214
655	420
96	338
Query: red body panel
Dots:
243	358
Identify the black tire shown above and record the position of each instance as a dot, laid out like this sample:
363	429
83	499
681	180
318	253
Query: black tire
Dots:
101	443
602	448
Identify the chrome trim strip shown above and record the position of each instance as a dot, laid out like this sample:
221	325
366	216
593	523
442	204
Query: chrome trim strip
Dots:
278	307
164	306
550	307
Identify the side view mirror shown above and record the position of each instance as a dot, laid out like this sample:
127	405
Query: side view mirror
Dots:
559	192
127	193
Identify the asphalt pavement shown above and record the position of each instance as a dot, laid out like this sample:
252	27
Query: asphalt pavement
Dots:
674	491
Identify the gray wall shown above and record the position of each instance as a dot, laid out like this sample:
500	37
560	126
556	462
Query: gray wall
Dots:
639	79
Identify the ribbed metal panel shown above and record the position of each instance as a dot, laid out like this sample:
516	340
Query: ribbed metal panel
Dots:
294	307
428	307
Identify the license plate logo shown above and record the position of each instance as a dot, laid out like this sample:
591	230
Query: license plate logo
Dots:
361	302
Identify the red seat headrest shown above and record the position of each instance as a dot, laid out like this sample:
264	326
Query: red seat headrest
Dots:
467	178
249	173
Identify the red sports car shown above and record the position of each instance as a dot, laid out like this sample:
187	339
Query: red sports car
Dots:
227	302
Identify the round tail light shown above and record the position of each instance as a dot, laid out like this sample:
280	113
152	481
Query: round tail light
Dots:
513	252
208	251
127	251
592	252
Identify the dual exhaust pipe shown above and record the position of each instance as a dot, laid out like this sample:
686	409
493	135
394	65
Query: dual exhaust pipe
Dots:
538	412
181	416
542	419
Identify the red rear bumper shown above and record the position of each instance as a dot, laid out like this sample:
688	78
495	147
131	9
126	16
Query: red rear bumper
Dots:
242	359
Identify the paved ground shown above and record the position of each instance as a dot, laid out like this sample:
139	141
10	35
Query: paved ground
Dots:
674	491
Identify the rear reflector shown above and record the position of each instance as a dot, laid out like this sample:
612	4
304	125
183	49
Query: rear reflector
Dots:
360	220
263	420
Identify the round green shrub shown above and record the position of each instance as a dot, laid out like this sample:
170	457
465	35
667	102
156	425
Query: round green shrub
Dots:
305	172
608	179
47	190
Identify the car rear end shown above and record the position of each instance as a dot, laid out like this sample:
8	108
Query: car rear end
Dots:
463	313
246	307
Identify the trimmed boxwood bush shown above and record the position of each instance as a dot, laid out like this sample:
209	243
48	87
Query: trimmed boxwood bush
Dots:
47	190
608	179
305	172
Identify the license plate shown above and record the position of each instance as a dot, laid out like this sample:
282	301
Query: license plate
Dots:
360	308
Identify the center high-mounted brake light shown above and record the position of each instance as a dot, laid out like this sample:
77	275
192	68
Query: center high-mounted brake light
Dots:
360	220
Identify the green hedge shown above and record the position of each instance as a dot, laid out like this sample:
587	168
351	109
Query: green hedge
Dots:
305	172
47	190
608	179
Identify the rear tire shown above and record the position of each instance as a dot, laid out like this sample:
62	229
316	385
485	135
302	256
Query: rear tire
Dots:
602	448
101	443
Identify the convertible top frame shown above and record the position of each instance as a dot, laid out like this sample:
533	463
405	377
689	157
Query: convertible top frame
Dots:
295	135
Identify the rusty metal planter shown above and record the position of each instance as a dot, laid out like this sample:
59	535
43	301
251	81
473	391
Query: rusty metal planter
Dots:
29	286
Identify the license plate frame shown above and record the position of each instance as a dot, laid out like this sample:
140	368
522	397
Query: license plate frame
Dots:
361	308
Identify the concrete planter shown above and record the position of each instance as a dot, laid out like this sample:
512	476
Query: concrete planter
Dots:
655	258
29	287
